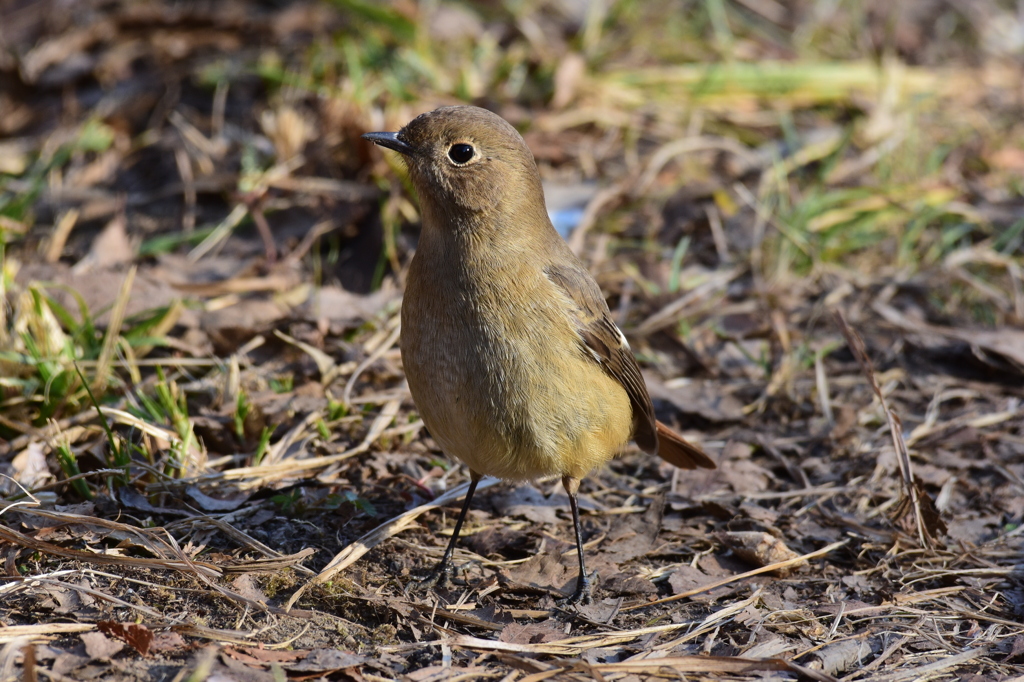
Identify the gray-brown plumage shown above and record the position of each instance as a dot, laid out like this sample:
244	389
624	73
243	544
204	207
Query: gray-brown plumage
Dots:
510	351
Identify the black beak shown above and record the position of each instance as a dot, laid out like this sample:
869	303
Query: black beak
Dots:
391	141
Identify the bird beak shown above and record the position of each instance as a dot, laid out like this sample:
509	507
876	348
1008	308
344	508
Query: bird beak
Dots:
391	141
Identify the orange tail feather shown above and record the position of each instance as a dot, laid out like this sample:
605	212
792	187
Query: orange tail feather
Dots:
674	449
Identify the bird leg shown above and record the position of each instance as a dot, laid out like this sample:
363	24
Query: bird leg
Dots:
582	593
443	572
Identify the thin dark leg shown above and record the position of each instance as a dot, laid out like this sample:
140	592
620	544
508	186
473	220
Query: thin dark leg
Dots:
444	570
582	593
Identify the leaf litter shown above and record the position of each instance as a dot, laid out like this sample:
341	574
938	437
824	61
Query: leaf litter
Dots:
211	464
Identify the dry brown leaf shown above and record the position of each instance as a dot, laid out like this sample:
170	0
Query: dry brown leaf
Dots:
111	247
526	502
258	656
245	584
1006	341
704	398
137	636
633	535
544	572
686	578
530	633
322	660
100	647
846	654
762	549
167	642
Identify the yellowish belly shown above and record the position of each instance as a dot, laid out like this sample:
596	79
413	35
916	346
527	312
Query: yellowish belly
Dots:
512	406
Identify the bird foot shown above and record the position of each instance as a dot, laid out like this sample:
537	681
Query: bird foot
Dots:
582	596
439	578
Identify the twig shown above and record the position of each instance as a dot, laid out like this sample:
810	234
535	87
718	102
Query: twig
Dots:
856	344
788	563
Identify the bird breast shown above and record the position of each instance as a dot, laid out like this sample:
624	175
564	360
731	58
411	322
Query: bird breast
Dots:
498	373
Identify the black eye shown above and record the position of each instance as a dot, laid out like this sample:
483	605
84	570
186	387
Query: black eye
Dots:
460	153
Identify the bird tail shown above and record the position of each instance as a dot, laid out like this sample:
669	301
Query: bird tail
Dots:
674	449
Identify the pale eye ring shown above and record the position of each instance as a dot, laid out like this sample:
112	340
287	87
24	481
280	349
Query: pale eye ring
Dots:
461	153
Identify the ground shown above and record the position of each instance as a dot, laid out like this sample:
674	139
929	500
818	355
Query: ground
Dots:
807	219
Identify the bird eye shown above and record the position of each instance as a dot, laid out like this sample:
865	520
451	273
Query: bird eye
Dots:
460	153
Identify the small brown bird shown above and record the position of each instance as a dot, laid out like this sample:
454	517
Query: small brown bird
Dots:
510	351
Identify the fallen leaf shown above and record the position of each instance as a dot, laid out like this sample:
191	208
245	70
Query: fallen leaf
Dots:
568	74
602	611
1007	158
167	642
139	637
760	548
530	633
110	247
345	308
1017	650
440	673
245	585
633	535
213	504
846	654
28	468
258	657
527	502
687	578
98	289
1006	341
99	647
623	585
327	659
543	572
705	398
502	541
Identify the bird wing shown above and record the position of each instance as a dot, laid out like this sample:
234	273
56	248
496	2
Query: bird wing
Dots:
603	342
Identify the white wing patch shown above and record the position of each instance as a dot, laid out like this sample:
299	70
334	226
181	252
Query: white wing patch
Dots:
622	337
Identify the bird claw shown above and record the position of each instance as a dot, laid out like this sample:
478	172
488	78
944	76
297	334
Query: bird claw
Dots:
439	578
582	595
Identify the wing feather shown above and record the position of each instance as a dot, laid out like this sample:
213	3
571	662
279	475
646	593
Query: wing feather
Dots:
602	341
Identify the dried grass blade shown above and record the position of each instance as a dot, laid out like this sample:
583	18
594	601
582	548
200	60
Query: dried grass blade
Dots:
549	648
606	197
655	666
223	591
141	536
99	379
689	145
932	668
710	664
926	520
42	631
274	564
382	421
275	453
176	623
129	419
789	563
273	560
353	552
714	620
379	351
16	538
716	282
255	476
